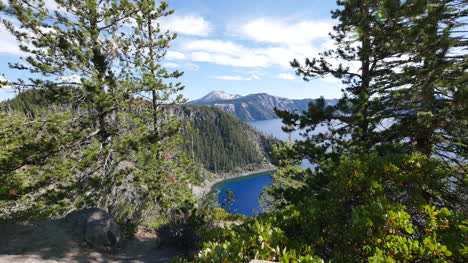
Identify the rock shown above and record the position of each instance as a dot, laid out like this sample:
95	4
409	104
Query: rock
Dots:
98	228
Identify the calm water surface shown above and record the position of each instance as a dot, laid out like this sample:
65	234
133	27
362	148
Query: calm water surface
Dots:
247	189
246	192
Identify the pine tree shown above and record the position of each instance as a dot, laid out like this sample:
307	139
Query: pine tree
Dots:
148	47
161	164
423	91
407	90
229	201
119	150
401	108
361	38
78	38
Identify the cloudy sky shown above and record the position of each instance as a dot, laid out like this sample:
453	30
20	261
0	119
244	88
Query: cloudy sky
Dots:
241	46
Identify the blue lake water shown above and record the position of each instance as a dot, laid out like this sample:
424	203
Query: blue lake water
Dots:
247	189
273	127
246	192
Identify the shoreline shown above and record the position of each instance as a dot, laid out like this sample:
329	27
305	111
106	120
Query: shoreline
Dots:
200	191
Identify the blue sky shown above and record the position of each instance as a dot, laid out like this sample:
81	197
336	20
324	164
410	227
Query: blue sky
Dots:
240	46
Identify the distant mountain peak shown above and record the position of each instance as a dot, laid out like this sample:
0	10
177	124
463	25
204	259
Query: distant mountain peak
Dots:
216	95
259	106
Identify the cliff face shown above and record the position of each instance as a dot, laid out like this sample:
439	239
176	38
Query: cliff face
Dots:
254	106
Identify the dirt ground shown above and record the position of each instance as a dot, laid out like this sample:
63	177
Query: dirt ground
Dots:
50	241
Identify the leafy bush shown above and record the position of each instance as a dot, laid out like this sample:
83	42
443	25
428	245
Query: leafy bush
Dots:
368	208
256	239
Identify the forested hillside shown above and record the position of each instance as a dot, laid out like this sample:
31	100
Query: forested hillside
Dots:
221	142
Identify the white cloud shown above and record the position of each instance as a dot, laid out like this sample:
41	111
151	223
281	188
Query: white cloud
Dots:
70	79
331	79
9	44
231	78
51	5
276	31
187	25
254	76
185	66
171	65
215	46
231	54
281	42
241	60
224	53
287	76
284	55
174	55
328	45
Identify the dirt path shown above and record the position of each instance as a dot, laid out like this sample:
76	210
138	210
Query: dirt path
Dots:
51	242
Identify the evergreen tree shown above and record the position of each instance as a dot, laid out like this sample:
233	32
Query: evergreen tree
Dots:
114	148
376	194
159	160
361	39
424	86
390	100
221	143
78	38
147	47
228	201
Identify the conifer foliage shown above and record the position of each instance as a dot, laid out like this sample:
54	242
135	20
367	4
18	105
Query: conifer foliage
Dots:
388	184
105	144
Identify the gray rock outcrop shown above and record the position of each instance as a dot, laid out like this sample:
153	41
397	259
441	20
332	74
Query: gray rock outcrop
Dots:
98	228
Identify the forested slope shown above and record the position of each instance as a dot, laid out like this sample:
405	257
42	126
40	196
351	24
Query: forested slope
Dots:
221	142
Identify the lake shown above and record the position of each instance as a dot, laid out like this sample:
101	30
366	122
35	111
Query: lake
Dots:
247	189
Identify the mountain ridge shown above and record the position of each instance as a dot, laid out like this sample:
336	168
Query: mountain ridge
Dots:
215	95
258	106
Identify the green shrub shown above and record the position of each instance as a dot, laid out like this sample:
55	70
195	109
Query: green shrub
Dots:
373	208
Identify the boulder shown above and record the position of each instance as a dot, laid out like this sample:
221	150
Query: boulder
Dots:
98	228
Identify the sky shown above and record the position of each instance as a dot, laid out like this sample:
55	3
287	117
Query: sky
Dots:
241	47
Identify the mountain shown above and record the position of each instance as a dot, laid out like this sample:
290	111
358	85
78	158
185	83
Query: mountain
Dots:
215	96
254	106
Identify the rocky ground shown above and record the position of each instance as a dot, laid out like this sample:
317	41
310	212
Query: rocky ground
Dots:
51	241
